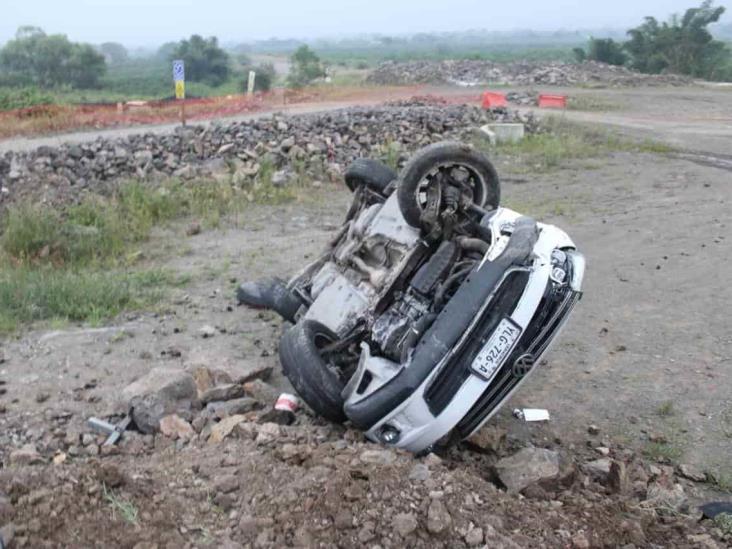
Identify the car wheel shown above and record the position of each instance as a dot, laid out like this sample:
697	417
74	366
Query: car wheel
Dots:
446	163
372	173
317	381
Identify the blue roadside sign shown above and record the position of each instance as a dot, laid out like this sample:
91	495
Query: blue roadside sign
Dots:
179	73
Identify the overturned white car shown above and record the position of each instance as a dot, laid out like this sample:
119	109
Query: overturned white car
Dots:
431	305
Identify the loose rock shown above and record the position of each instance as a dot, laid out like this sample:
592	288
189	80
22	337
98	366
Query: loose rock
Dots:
405	524
232	407
224	428
598	469
222	393
175	427
163	391
526	467
438	517
489	438
692	473
27	455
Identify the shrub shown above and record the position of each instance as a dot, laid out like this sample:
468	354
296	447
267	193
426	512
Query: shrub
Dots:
18	98
34	57
306	67
682	45
204	60
266	75
606	51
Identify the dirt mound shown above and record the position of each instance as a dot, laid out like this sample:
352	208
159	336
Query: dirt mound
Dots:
314	484
473	72
226	475
323	143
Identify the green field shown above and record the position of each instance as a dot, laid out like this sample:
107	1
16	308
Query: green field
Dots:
370	56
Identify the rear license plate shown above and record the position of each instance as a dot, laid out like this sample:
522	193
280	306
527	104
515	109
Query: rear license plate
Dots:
495	351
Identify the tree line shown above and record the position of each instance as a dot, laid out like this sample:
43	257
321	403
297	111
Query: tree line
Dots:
681	45
48	61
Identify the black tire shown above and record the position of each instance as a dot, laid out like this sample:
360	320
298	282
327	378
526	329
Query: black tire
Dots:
372	173
311	376
271	293
486	194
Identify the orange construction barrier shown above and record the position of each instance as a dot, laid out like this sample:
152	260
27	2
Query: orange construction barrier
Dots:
553	101
493	100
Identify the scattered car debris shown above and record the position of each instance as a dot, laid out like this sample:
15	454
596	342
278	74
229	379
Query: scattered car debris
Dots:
431	304
284	410
287	402
114	431
531	414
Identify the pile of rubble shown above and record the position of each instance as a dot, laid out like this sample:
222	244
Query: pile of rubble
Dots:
528	98
418	101
325	143
211	463
474	72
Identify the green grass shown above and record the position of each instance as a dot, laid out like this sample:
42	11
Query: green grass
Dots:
726	419
127	510
389	154
590	103
723	521
722	480
359	56
665	409
17	98
561	141
138	79
82	263
61	295
663	452
100	230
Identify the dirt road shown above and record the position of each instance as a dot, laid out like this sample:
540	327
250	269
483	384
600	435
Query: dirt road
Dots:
694	118
30	143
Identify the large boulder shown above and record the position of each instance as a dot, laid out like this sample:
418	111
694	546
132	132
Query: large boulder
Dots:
527	467
162	392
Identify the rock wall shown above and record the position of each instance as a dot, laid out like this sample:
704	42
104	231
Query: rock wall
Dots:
318	141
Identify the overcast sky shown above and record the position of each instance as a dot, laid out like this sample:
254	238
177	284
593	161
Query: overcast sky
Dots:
152	22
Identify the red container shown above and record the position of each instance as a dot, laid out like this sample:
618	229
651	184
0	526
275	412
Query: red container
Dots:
553	101
493	100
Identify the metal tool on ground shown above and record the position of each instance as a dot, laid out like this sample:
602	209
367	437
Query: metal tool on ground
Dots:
114	431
